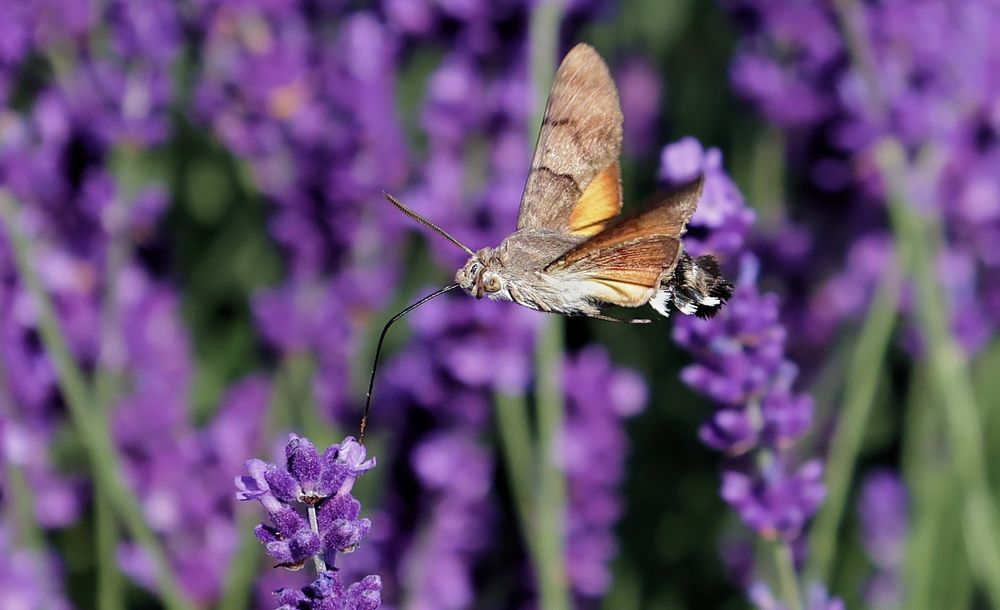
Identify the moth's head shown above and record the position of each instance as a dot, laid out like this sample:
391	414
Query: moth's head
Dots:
477	277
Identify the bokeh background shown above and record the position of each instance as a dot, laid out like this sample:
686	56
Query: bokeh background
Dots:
196	259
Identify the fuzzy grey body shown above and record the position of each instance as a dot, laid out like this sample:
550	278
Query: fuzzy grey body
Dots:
514	271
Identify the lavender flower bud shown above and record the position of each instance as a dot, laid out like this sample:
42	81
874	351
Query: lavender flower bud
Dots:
327	592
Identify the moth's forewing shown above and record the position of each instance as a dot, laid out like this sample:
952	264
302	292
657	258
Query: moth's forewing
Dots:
634	253
580	140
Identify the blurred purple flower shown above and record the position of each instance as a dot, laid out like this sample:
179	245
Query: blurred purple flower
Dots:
592	452
640	87
58	498
882	509
198	530
28	578
457	473
935	66
721	211
817	598
306	99
777	500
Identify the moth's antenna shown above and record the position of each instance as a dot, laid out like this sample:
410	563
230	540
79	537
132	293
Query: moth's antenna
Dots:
381	338
426	223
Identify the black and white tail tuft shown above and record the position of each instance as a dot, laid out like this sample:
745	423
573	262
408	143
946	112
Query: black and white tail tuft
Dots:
696	287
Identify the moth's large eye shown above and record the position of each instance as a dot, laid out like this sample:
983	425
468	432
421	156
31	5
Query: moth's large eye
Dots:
473	269
491	283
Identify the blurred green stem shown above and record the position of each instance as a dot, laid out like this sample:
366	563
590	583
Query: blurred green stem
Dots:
108	380
920	239
864	373
936	570
551	500
107	470
784	568
515	444
300	399
927	483
243	565
29	534
950	372
110	580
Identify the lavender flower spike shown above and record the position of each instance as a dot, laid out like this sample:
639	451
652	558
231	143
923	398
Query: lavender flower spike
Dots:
318	485
327	593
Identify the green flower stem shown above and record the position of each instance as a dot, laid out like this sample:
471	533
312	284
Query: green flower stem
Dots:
29	534
108	382
243	565
517	450
935	570
550	522
314	526
950	372
104	460
110	580
784	570
864	373
925	478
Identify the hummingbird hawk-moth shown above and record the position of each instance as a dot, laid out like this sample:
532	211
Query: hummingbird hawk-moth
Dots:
572	253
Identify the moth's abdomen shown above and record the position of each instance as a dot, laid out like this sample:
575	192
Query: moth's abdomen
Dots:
696	287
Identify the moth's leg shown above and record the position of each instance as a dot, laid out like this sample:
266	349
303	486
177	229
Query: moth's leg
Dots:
599	316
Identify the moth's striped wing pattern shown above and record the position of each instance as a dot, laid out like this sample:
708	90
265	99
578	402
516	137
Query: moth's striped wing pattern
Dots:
574	185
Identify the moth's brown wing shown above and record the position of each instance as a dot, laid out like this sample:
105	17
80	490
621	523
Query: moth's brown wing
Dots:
626	274
626	260
574	185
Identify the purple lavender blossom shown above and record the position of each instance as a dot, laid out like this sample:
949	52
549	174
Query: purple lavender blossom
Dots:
457	474
327	592
794	65
740	363
322	484
722	210
593	450
317	126
817	598
28	578
882	509
640	87
199	531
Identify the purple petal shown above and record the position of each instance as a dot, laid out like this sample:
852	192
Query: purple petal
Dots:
344	535
303	463
282	484
365	594
352	453
288	522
